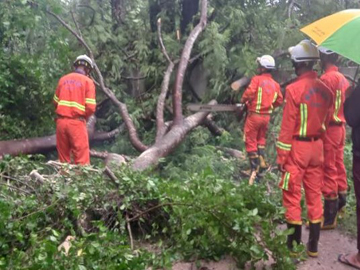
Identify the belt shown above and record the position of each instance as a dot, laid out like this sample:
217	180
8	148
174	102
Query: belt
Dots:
80	118
336	124
306	139
259	114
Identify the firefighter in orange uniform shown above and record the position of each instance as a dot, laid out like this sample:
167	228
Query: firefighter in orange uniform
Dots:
300	148
335	184
75	102
261	97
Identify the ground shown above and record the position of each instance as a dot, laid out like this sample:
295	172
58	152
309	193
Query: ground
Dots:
331	244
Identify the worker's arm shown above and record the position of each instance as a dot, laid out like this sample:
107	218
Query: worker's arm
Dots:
352	108
278	98
90	99
250	92
56	95
284	142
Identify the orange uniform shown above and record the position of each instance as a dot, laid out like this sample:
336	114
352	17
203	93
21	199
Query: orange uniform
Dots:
334	140
74	100
261	97
300	149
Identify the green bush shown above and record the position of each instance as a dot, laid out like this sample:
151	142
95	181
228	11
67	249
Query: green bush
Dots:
200	216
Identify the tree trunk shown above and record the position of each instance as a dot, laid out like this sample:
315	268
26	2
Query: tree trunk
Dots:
48	143
169	142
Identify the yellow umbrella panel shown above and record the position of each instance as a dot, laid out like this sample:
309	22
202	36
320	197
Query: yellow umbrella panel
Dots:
339	32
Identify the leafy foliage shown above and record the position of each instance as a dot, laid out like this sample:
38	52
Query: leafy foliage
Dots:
198	216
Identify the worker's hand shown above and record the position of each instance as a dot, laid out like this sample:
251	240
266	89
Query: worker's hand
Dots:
240	111
281	168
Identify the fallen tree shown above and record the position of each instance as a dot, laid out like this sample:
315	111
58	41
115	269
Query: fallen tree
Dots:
167	139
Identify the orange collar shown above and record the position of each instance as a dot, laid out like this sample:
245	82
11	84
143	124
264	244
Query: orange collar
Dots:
331	68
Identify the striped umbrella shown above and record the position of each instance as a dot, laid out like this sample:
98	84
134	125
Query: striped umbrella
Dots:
339	32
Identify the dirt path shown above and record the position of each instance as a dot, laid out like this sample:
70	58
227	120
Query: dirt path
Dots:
331	244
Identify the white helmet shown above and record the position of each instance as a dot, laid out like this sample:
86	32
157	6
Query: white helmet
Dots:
266	61
304	51
325	51
84	60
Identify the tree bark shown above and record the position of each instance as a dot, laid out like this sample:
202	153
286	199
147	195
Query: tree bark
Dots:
47	143
185	56
213	128
169	142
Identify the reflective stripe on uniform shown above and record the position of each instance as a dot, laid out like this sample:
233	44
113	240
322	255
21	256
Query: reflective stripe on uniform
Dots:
337	106
56	99
90	101
283	146
304	117
286	181
71	104
258	102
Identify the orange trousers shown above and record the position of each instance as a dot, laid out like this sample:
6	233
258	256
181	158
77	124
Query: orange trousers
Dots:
72	139
304	167
334	169
255	129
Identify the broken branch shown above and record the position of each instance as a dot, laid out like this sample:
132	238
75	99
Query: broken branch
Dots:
177	92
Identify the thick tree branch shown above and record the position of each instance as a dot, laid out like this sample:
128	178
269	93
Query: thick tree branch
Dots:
97	154
169	142
134	139
163	49
160	123
48	143
177	92
211	125
76	24
290	9
233	152
103	136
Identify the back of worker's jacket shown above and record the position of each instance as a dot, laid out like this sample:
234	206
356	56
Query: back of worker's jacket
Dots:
338	84
262	95
75	96
306	113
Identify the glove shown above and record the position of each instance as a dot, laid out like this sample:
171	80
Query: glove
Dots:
240	111
281	168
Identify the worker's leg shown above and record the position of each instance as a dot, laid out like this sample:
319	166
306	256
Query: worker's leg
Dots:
291	185
312	185
62	140
261	141
341	172
80	142
356	176
250	132
331	143
313	182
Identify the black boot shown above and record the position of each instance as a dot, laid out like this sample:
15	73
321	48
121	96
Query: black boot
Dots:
262	163
254	166
342	203
296	236
330	214
314	235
